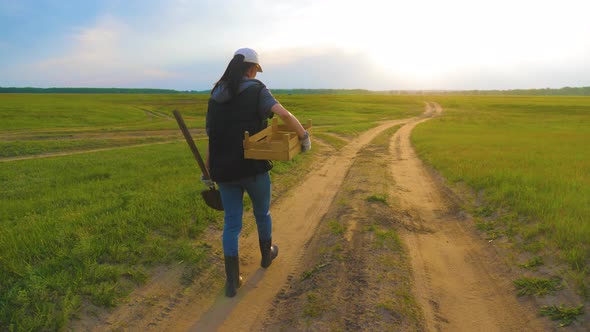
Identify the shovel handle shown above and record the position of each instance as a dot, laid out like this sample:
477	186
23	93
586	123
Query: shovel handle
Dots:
191	143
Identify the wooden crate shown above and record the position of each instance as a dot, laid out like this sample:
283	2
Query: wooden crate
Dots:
275	142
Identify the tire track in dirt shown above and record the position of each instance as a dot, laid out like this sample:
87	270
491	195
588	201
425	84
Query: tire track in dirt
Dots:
294	220
152	114
354	274
460	282
69	153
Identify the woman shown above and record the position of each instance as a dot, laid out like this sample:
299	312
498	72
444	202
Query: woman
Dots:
241	103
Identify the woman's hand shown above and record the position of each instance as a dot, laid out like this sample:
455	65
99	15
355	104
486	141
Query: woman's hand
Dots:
207	182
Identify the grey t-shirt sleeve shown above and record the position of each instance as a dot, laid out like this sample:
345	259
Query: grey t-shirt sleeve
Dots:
265	102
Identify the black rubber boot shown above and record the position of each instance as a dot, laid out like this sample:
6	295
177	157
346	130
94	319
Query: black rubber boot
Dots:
233	279
269	252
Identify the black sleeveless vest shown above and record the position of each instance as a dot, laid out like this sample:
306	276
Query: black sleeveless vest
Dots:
227	123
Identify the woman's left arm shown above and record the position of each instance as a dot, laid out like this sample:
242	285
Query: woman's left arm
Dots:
289	119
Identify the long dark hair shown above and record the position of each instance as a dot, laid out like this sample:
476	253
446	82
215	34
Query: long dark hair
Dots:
236	69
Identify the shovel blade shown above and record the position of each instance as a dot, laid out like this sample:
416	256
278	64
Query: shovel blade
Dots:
212	198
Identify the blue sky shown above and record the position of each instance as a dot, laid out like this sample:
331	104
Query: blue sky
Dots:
371	44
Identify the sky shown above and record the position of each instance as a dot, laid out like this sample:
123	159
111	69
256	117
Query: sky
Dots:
340	44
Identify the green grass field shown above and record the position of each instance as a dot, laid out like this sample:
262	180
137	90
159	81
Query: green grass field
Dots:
530	160
56	112
87	228
38	124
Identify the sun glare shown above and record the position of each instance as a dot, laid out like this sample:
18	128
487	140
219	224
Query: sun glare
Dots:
426	40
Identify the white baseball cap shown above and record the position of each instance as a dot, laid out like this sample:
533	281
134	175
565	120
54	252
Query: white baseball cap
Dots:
250	56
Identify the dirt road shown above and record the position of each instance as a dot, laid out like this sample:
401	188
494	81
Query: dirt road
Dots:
295	217
458	281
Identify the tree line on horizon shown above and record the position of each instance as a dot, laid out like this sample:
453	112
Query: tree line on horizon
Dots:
89	90
565	91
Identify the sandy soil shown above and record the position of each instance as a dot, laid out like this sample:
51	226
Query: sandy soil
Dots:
460	284
354	274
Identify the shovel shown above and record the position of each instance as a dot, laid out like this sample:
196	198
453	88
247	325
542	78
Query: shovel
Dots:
211	196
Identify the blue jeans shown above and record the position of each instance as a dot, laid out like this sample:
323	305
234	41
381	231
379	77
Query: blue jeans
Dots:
232	196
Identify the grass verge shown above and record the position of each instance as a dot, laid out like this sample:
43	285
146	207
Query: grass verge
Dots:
526	158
